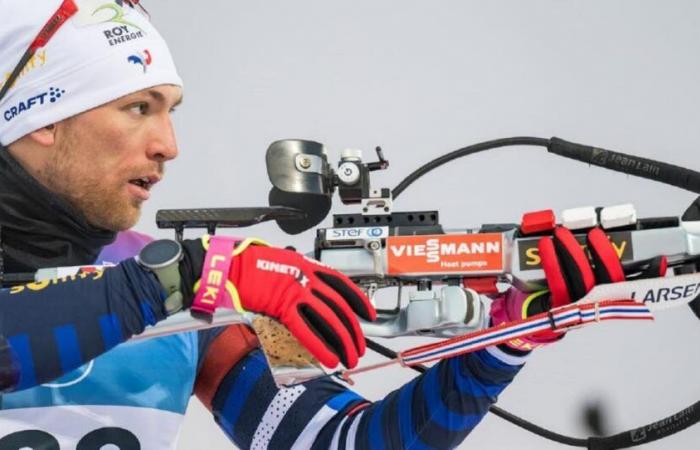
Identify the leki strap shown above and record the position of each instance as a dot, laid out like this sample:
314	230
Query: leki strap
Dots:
212	287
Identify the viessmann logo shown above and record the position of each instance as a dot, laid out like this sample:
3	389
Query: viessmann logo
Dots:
452	253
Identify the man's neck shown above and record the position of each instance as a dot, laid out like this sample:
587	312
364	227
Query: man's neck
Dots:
38	229
30	158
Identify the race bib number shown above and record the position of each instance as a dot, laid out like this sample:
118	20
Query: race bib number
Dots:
88	428
95	440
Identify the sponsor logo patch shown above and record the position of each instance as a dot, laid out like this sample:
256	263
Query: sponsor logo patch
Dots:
121	34
668	294
37	101
342	234
529	254
121	29
36	61
639	434
95	12
676	422
284	269
450	253
143	59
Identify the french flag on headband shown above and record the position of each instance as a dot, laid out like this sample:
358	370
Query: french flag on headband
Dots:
143	58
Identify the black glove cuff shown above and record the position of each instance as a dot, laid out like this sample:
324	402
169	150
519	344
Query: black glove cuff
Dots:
191	268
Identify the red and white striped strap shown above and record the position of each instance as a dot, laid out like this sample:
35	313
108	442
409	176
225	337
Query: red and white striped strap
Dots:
655	293
561	320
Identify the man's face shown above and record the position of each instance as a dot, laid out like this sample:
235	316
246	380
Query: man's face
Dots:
107	159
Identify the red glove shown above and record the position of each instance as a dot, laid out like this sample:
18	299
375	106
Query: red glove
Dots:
570	276
569	273
316	303
568	270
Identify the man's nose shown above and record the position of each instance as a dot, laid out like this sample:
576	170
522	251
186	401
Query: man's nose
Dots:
163	146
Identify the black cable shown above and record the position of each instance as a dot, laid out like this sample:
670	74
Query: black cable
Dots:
649	433
466	151
632	165
390	354
536	429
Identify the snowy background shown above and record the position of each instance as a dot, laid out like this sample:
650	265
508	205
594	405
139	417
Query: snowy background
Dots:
423	78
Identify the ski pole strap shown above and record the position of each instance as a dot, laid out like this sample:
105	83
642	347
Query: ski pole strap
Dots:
559	320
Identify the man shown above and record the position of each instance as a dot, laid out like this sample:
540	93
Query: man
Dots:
87	128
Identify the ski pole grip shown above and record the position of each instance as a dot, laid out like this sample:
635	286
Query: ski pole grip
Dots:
632	165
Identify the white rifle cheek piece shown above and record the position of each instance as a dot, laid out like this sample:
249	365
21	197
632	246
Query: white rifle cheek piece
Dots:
162	257
579	218
618	216
610	217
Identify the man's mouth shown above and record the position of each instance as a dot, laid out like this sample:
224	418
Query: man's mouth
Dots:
141	187
145	182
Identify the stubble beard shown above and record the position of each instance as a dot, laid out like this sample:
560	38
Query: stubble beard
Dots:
79	182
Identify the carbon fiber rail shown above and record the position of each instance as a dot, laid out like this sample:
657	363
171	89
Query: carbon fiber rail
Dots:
213	218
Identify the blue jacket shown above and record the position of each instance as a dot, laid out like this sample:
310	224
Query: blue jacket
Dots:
135	395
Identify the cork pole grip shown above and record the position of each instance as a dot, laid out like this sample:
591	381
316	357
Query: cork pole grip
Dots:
280	347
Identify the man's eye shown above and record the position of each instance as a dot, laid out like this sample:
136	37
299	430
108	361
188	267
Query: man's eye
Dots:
140	108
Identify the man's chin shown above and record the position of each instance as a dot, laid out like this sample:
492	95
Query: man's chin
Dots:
116	219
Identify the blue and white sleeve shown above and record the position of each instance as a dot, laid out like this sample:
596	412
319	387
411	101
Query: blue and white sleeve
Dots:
436	410
49	328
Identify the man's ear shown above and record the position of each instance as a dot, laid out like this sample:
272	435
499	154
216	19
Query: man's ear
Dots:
45	137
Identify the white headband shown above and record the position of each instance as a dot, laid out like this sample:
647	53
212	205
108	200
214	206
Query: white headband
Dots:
106	51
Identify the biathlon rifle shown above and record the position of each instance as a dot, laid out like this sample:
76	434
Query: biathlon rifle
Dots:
449	269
